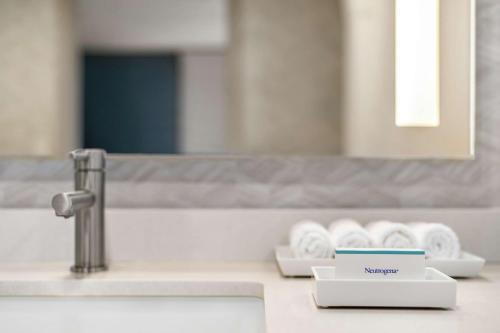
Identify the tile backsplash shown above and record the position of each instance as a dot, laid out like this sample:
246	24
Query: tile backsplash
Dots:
297	182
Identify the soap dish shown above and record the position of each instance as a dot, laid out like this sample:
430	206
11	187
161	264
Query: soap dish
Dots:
468	265
291	266
437	290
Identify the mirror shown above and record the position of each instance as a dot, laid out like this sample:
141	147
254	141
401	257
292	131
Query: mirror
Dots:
360	78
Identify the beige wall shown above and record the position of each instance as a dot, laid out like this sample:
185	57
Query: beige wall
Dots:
202	123
285	71
368	101
37	78
317	76
152	25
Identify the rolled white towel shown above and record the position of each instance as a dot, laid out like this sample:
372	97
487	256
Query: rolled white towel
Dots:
391	235
309	240
438	240
349	233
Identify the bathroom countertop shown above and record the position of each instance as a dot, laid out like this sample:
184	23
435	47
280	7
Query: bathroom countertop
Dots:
289	306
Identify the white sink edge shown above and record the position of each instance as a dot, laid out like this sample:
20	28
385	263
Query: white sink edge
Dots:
110	287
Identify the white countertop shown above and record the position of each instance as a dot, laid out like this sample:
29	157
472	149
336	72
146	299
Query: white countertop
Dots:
289	306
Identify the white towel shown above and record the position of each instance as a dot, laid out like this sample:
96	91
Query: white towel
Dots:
349	233
309	240
438	240
387	234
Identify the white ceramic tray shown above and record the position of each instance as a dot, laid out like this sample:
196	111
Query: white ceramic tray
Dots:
292	266
436	291
468	265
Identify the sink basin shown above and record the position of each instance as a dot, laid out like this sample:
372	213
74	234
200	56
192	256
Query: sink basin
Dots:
125	314
139	298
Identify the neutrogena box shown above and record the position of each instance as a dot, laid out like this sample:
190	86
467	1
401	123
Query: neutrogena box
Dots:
371	263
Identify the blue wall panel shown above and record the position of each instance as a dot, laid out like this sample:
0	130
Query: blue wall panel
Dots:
130	103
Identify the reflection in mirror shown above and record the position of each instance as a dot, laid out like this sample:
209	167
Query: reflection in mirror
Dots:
364	78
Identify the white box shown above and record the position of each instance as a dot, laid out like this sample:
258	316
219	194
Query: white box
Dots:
385	264
437	290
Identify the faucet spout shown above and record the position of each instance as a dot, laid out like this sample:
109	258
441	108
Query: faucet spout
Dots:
67	203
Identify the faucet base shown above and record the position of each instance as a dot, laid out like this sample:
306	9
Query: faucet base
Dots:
86	270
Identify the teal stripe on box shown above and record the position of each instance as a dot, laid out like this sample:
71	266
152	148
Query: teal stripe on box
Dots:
402	252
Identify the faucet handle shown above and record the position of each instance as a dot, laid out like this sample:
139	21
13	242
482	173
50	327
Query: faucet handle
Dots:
79	154
89	159
67	203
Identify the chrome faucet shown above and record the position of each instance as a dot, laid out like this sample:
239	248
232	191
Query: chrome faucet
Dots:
86	203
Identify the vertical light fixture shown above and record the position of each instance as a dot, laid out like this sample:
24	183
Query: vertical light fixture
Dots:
417	63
